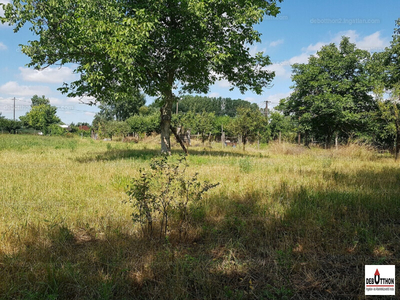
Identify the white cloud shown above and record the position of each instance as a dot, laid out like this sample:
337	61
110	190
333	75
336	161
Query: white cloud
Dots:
250	99
3	47
352	34
49	75
253	50
55	101
14	89
5	104
280	69
283	69
275	98
2	11
223	83
300	59
276	43
314	47
213	95
22	105
89	113
74	100
373	42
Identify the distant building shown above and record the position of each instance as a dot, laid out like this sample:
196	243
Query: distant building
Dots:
66	127
84	127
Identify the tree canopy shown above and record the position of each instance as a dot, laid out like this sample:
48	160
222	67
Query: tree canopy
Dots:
386	73
41	115
393	60
155	46
36	100
248	122
10	126
219	106
332	91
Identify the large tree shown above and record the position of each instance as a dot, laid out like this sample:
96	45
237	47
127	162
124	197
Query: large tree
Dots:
121	46
393	59
248	123
41	115
332	92
386	71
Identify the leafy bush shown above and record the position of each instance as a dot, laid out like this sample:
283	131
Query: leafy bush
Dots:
55	129
144	124
163	194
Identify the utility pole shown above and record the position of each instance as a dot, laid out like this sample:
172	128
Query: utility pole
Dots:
177	104
222	136
14	109
299	135
266	109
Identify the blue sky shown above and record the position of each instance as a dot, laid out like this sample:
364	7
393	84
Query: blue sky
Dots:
300	30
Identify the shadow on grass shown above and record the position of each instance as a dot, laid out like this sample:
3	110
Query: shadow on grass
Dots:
81	265
147	154
237	248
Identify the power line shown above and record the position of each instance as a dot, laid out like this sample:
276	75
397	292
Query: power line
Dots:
71	107
15	100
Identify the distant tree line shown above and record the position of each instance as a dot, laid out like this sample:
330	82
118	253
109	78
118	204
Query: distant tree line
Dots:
219	106
204	116
341	95
344	94
42	117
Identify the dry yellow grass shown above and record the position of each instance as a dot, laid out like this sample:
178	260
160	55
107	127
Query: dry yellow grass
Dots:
286	221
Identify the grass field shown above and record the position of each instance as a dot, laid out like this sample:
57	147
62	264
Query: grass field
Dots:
286	222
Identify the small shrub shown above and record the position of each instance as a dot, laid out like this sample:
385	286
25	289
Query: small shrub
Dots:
163	193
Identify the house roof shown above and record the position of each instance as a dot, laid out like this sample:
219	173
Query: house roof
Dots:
84	127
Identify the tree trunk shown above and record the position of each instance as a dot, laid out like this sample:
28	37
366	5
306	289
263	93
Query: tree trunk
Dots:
328	141
306	139
336	141
175	132
222	136
166	112
397	138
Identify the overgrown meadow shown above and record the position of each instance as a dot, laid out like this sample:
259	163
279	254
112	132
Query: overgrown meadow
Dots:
285	222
